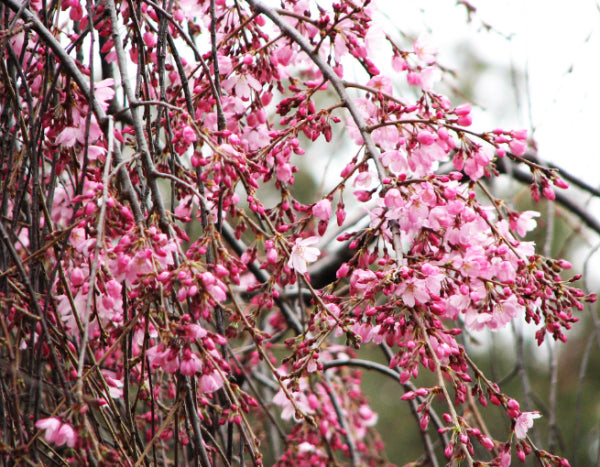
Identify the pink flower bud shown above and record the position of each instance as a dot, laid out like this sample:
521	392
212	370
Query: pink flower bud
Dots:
77	276
347	170
342	271
564	264
149	40
425	138
465	120
463	109
520	134
548	192
560	183
322	210
518	147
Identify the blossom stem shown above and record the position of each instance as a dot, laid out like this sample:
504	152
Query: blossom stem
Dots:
442	384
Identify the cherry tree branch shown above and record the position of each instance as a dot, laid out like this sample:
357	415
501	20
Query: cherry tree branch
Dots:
72	70
562	199
137	121
328	73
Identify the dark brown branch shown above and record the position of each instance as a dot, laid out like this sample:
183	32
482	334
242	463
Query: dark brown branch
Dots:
526	177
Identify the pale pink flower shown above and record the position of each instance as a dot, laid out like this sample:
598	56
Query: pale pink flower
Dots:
426	78
68	137
243	84
525	222
194	332
363	180
413	291
214	286
190	364
322	210
362	279
369	418
284	172
524	422
115	386
518	147
501	314
299	399
426	137
475	164
210	382
387	137
381	83
303	253
104	93
141	264
425	49
284	55
94	152
393	198
225	65
57	432
395	161
163	357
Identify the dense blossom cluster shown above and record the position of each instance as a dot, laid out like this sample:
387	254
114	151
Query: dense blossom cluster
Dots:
166	294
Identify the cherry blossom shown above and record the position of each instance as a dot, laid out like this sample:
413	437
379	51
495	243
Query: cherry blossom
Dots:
156	214
524	422
322	210
57	432
303	253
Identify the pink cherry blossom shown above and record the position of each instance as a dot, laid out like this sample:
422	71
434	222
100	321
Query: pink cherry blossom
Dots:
303	253
190	363
395	161
322	210
524	422
413	291
524	222
57	432
104	92
299	400
425	49
180	200
214	286
284	173
210	382
518	147
363	279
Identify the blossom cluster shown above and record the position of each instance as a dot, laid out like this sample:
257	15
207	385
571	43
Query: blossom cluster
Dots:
171	289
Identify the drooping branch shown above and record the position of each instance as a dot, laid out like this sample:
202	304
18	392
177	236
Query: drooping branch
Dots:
328	73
